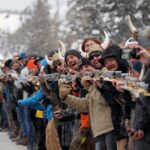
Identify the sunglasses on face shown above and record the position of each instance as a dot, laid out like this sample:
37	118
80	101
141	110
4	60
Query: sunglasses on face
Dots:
94	55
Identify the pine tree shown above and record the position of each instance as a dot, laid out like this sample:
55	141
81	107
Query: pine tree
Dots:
104	15
39	32
39	27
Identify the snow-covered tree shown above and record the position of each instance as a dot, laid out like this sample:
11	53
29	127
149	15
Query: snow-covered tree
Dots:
109	15
39	32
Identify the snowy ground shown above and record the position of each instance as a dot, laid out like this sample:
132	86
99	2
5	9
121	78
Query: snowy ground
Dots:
7	144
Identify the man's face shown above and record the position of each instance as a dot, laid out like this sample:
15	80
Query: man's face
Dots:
111	63
15	65
23	61
88	45
72	62
95	61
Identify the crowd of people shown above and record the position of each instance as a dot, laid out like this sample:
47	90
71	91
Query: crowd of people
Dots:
93	98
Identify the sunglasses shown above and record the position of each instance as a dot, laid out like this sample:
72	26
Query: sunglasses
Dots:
94	55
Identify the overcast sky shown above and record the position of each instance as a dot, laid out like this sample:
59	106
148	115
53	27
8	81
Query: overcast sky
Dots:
6	23
21	4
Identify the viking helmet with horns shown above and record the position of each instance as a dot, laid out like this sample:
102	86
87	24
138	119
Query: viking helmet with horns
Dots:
100	46
142	35
58	55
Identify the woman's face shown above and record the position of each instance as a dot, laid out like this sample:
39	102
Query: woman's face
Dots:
88	45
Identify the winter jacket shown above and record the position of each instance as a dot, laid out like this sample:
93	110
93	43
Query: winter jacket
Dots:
34	102
142	117
99	110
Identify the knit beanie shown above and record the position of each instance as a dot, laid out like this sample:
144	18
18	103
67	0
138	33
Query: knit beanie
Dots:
31	65
74	53
84	61
8	63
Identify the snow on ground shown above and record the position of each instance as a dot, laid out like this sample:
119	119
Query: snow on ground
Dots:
7	144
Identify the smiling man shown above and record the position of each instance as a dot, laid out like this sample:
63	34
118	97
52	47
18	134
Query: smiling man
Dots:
72	59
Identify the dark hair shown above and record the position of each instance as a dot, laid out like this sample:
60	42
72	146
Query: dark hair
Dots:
92	39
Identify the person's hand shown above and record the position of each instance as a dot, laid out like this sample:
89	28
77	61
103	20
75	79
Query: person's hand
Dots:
144	55
96	83
41	78
138	135
64	90
85	81
118	85
133	97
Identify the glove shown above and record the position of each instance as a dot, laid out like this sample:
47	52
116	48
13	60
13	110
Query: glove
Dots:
64	90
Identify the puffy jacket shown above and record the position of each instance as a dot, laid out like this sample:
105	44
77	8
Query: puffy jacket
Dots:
35	102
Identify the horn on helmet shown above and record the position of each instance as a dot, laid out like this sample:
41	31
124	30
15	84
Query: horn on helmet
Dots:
131	26
60	55
62	47
85	55
48	61
105	44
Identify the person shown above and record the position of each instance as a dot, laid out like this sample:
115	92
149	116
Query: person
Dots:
88	42
83	131
40	101
72	58
111	58
95	54
95	105
141	136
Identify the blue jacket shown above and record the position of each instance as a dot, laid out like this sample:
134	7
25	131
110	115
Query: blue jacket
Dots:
34	102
